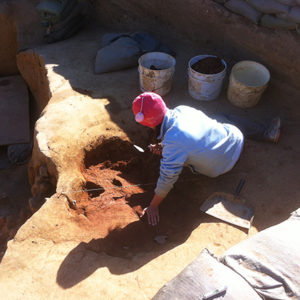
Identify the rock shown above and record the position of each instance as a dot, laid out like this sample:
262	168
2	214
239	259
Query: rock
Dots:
19	153
160	239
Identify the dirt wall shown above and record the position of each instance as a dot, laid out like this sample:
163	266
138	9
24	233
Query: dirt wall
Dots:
20	28
8	49
209	25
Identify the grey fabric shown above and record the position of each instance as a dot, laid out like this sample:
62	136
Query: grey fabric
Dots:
19	153
122	50
288	2
121	54
50	7
146	41
270	260
294	15
268	6
250	128
204	275
244	9
68	7
63	19
108	38
276	23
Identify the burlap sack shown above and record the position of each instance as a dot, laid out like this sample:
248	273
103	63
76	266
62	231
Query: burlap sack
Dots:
270	260
242	8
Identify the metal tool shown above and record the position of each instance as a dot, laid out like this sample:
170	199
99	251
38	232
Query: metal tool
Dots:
138	148
215	293
141	149
229	208
149	147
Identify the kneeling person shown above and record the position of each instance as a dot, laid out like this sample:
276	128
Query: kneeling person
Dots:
188	138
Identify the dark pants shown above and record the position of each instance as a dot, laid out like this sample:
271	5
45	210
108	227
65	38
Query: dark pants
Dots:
251	129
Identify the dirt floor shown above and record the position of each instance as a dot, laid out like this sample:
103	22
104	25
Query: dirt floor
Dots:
271	171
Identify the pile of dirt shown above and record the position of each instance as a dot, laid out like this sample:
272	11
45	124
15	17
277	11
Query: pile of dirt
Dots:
209	65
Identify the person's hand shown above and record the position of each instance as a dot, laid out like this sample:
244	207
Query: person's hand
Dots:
152	214
156	148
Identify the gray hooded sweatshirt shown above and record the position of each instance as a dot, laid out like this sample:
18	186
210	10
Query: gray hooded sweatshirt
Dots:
191	138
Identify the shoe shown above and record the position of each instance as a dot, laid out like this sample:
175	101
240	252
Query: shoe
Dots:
273	132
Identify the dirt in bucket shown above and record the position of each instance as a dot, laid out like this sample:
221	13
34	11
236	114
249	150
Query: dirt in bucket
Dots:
152	67
120	183
209	65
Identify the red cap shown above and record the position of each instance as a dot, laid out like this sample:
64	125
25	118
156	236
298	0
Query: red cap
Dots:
149	109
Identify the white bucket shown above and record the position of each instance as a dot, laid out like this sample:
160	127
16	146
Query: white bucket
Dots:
157	81
205	86
247	81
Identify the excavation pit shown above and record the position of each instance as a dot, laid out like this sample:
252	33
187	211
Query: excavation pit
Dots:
120	183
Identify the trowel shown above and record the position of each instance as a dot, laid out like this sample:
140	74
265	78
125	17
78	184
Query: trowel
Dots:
138	148
149	147
229	207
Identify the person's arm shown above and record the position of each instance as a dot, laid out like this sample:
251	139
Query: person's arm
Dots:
171	164
170	168
152	210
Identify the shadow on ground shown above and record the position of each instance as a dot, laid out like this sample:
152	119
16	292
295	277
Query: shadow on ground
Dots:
178	220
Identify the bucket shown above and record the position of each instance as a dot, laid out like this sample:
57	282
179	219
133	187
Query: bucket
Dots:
156	71
247	81
205	86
